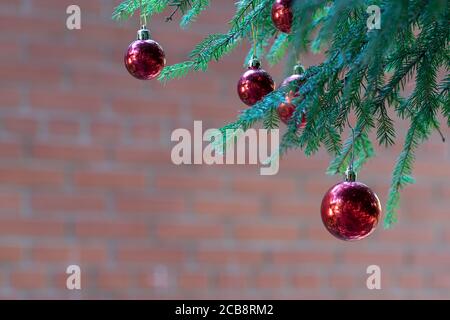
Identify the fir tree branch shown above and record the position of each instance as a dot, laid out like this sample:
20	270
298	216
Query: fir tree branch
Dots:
278	49
215	46
197	7
364	73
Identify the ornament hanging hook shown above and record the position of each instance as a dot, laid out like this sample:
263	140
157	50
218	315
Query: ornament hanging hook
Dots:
352	156
140	13
254	62
142	16
254	40
254	35
350	174
143	33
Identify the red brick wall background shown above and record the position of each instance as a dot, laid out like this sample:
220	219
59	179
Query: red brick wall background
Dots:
86	178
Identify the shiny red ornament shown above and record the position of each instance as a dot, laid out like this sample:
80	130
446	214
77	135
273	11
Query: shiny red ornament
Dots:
286	109
282	15
254	84
350	210
144	58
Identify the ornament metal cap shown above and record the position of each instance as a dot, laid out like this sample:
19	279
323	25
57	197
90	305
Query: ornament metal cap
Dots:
350	174
299	69
254	63
143	33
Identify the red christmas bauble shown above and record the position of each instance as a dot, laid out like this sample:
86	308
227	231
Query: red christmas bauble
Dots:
144	58
254	84
298	79
350	210
282	15
286	109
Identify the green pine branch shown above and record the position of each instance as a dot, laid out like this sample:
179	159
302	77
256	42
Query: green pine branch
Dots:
215	46
278	49
198	6
364	73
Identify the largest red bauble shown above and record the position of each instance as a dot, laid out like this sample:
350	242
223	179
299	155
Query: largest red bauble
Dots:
144	59
282	15
350	210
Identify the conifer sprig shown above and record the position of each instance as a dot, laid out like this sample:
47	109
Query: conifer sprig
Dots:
364	73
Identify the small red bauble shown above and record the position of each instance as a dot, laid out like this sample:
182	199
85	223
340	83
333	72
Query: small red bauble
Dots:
286	109
350	210
254	84
144	58
282	15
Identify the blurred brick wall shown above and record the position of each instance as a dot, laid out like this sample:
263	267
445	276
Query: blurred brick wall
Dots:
86	178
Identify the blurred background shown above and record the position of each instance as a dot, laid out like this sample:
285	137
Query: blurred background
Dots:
86	178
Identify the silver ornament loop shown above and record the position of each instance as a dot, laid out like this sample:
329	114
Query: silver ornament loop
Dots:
254	63
350	174
299	69
143	33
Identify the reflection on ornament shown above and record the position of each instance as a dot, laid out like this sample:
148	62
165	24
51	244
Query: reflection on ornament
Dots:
350	210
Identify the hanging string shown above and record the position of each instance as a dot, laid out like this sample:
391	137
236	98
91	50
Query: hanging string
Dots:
142	16
145	19
254	42
254	34
352	155
140	13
